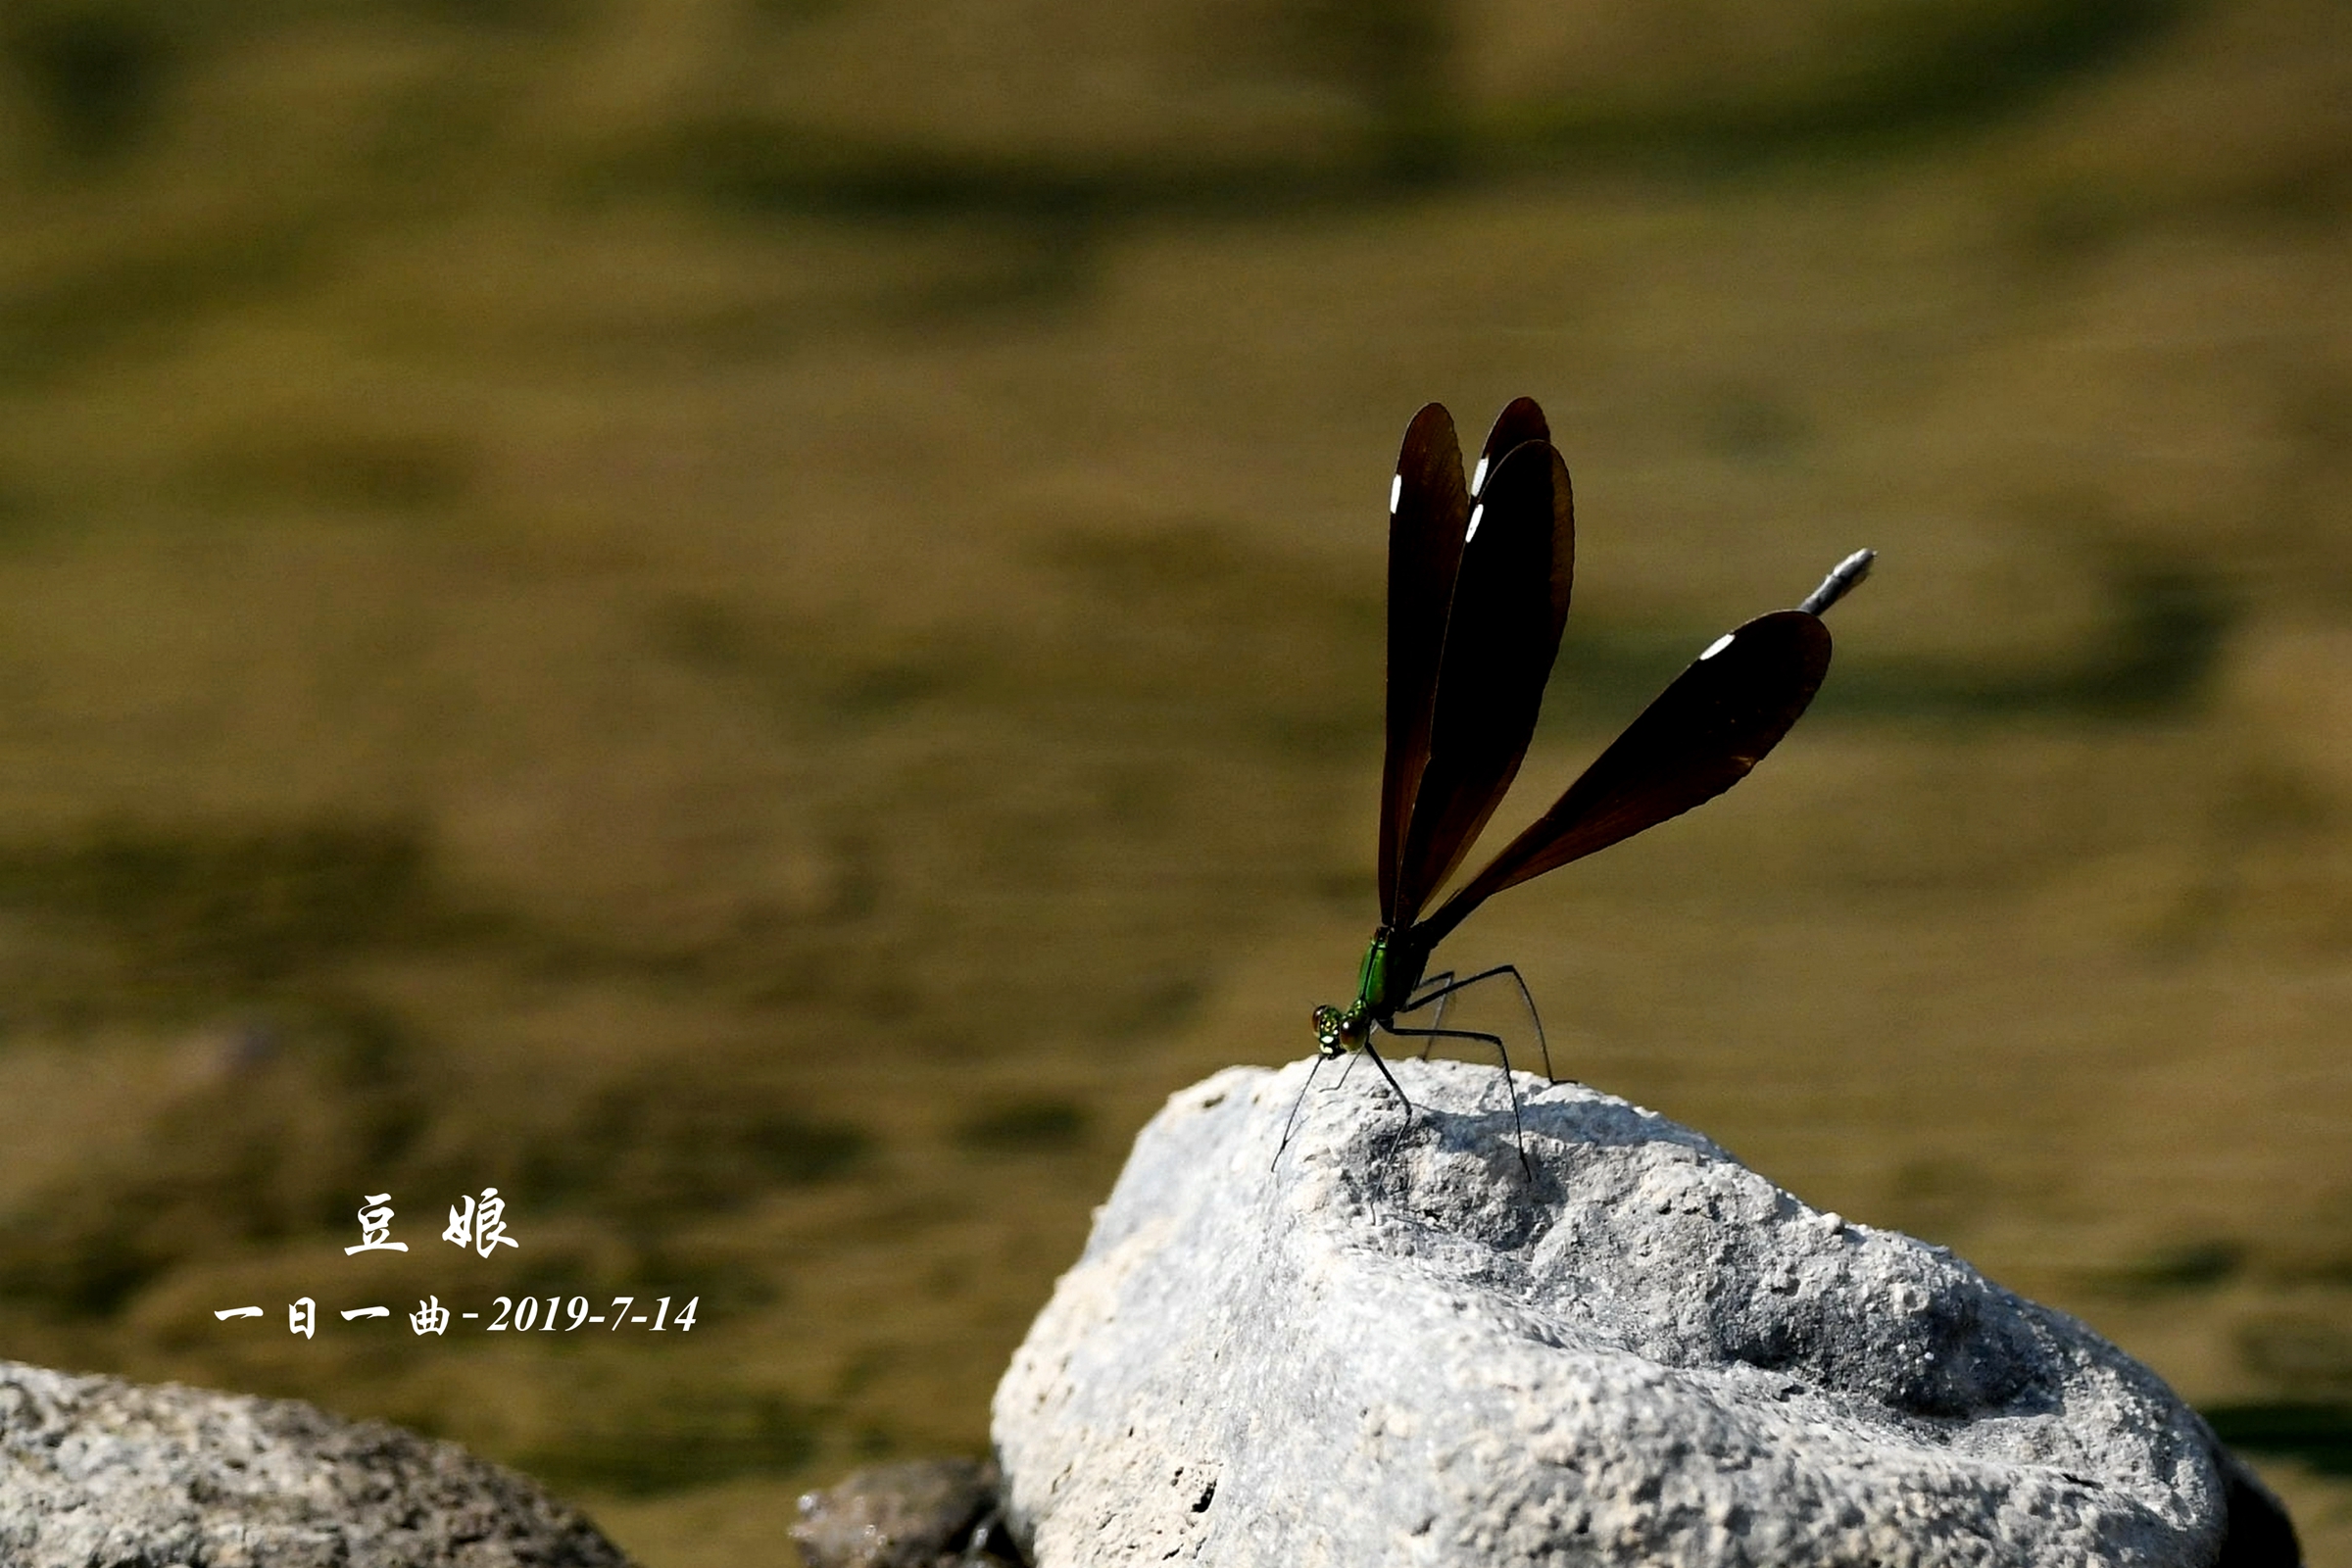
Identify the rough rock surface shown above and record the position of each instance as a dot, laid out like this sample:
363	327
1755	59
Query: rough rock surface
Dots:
99	1473
919	1513
1389	1347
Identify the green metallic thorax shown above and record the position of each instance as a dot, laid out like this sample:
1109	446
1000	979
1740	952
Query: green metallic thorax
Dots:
1391	969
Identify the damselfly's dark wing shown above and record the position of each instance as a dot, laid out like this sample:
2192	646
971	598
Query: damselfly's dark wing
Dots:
1700	737
1429	512
1516	425
1510	602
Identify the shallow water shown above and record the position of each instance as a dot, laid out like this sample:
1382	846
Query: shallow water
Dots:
772	710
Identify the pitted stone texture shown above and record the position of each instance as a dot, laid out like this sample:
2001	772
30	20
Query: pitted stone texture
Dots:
99	1473
1388	1347
918	1513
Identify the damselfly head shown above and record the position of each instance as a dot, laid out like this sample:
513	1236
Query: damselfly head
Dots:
1337	1034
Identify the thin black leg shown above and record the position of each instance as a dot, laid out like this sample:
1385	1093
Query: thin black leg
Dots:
1518	1127
1440	981
1343	1072
1291	1121
1389	1076
1450	986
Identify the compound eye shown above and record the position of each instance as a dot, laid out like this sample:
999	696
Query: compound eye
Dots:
1327	1029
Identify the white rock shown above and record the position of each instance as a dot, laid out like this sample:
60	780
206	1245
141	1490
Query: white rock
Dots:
1387	1348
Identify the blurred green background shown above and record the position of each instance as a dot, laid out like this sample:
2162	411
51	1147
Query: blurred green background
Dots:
758	621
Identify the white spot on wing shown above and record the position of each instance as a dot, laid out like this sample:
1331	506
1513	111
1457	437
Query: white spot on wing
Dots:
1475	512
1395	492
1716	647
1478	480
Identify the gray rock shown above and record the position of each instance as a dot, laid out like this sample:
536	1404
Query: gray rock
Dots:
920	1513
1389	1347
99	1473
